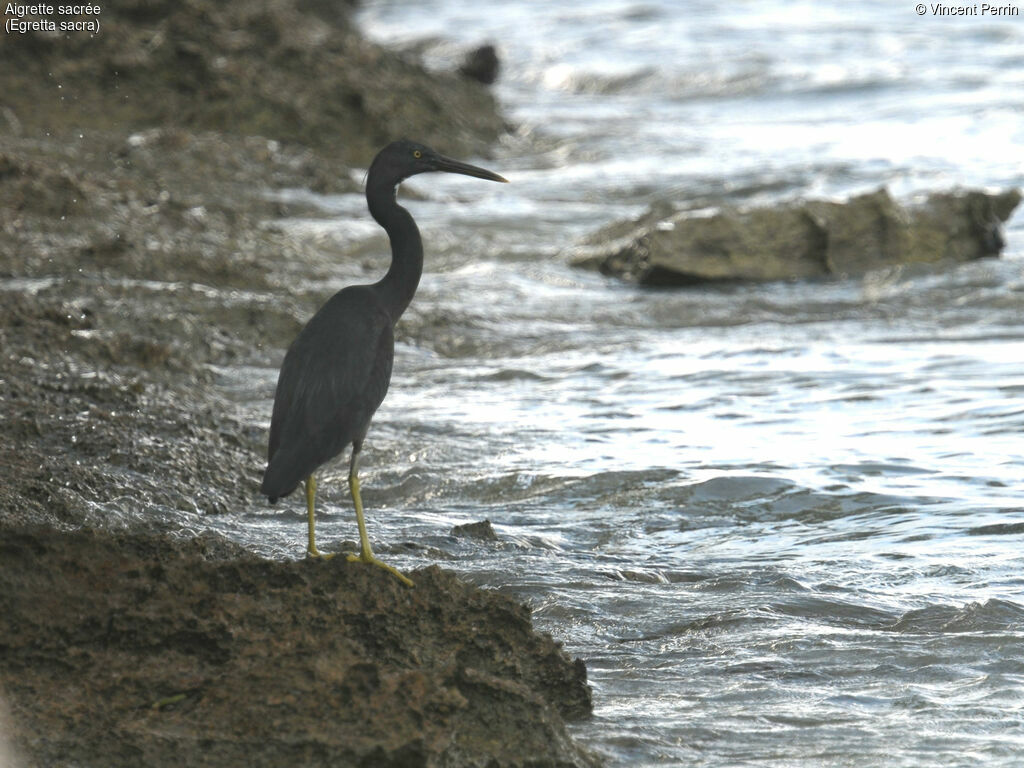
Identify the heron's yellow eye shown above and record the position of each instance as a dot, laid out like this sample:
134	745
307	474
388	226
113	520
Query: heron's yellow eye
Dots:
417	154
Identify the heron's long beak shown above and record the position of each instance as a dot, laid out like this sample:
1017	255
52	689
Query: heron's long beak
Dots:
448	165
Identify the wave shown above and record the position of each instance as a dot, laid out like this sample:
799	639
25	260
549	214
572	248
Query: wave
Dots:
993	615
757	498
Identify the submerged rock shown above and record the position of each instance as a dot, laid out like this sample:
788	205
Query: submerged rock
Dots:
148	650
481	531
804	240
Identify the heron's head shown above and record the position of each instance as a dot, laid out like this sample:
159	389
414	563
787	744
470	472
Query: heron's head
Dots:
401	159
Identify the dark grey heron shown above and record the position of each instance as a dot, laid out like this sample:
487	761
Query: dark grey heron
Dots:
336	373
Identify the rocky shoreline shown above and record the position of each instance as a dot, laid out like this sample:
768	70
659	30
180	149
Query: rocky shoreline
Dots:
138	254
132	649
806	240
134	170
295	71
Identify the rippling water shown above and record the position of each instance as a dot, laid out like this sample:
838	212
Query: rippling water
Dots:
781	523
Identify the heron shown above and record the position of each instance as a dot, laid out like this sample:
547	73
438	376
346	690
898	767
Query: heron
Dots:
336	372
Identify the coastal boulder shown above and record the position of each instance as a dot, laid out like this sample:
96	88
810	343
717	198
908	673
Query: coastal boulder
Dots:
810	239
135	649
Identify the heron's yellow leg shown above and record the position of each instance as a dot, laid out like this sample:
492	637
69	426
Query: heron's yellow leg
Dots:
365	552
311	550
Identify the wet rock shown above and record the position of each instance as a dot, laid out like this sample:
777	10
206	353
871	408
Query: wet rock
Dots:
203	655
481	531
290	70
481	64
812	239
52	190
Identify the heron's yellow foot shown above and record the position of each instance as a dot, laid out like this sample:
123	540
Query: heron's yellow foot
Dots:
316	554
381	564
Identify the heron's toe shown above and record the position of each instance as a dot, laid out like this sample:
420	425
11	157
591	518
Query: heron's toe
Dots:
316	554
381	564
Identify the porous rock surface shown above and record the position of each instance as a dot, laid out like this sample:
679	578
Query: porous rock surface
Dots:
130	649
810	239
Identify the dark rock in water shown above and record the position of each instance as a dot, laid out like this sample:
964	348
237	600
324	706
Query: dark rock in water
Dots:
481	64
126	650
481	531
806	240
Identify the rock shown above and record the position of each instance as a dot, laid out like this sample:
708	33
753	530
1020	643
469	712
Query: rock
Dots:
811	239
52	191
481	64
289	70
200	654
481	531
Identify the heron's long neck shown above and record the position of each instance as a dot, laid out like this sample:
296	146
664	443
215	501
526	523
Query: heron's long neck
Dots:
398	286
